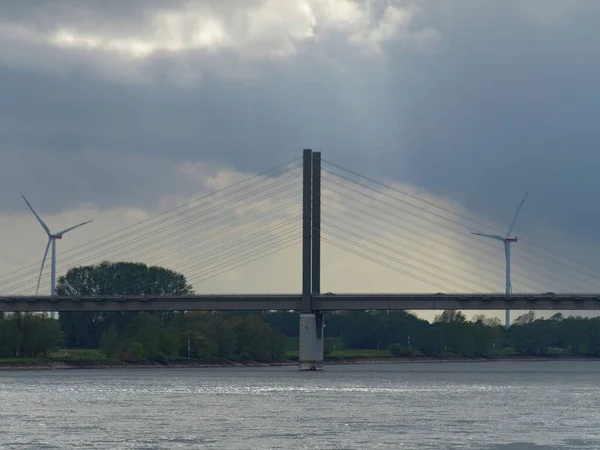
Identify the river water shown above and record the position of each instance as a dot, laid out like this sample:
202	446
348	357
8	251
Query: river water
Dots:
487	405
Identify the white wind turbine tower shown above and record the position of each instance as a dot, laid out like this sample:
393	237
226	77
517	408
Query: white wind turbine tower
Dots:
52	237
507	239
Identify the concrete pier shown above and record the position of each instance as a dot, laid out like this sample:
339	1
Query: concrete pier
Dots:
311	342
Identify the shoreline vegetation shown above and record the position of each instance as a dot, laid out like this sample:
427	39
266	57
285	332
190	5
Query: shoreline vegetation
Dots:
44	364
132	339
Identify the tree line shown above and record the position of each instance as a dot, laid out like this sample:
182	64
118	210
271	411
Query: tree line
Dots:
134	336
164	336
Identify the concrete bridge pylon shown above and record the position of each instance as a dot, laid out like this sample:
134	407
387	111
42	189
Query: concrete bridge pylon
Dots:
311	320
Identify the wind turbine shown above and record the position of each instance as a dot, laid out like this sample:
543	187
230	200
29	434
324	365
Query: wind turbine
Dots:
507	239
52	237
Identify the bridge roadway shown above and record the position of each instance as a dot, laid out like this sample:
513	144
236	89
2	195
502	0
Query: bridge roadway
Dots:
288	302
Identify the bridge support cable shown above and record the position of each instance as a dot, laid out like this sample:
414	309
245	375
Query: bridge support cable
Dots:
227	233
230	252
383	263
213	219
161	218
388	246
394	224
416	273
221	252
421	206
591	269
243	258
196	238
343	186
228	256
246	202
249	258
213	249
219	232
395	235
380	208
365	210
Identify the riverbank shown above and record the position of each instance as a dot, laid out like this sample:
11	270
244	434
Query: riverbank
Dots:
458	359
69	365
47	364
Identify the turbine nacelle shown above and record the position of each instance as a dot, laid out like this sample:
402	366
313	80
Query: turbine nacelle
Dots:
497	237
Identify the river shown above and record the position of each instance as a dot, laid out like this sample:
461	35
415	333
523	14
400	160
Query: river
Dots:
485	405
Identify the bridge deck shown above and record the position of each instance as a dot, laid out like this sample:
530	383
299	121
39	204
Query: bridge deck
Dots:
259	302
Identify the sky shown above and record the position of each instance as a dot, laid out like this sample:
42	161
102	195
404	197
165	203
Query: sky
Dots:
116	111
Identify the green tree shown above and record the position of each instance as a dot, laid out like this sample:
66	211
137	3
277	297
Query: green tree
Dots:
487	321
450	316
136	351
257	339
85	329
10	338
199	346
525	319
28	335
111	342
377	329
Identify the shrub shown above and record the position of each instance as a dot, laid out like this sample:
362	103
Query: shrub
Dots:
137	350
398	350
161	358
245	357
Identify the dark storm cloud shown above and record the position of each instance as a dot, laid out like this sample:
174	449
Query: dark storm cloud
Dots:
250	127
505	103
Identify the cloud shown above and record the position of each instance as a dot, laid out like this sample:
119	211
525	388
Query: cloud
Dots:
95	178
108	106
145	42
505	107
93	91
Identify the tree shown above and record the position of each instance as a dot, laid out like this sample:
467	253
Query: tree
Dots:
492	322
487	321
525	319
85	329
10	336
31	335
257	339
122	278
450	316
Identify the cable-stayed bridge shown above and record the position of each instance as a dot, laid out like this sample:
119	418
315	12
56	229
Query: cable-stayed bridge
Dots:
424	245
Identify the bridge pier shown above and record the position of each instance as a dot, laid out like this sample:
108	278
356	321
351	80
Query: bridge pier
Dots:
311	341
311	345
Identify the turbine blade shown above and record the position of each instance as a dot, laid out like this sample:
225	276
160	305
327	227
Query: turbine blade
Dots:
36	215
516	214
42	269
491	236
72	228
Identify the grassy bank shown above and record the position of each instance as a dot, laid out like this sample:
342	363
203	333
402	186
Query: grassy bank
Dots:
347	353
94	359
